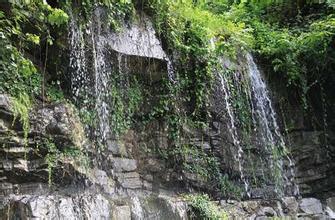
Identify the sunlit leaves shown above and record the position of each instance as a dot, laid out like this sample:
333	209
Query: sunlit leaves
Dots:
57	17
33	38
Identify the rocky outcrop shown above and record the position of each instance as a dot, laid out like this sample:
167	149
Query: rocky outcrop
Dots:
24	160
76	192
311	146
315	164
92	206
286	208
85	206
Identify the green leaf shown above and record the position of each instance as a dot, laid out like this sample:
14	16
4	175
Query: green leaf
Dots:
58	17
33	38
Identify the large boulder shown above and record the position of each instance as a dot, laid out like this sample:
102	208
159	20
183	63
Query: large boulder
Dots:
84	206
310	206
159	207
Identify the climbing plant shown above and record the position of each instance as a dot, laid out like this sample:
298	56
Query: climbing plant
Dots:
125	102
55	156
193	32
25	29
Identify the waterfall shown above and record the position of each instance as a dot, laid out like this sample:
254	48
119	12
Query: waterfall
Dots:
101	92
90	91
77	61
105	52
233	130
98	52
267	128
170	70
102	76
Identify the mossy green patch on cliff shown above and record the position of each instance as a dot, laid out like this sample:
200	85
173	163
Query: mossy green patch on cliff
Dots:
125	101
118	11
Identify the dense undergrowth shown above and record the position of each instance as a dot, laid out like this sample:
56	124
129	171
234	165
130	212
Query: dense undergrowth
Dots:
294	41
201	207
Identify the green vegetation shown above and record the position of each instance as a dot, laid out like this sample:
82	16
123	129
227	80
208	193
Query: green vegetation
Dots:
25	28
117	10
125	101
228	188
20	107
293	41
56	156
193	32
201	207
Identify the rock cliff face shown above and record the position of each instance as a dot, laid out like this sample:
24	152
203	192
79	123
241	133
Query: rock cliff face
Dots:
60	171
51	178
76	192
311	144
315	163
132	192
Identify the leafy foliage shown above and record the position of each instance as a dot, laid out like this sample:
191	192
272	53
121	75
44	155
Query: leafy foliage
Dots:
203	208
18	75
55	156
293	39
21	106
191	31
118	10
25	28
124	106
57	17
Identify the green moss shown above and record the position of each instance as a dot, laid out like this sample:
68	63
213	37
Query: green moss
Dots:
118	11
229	189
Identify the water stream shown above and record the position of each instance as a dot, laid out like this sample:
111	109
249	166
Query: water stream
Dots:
77	61
101	91
233	131
267	128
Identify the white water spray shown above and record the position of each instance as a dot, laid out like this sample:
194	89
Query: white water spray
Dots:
233	131
266	122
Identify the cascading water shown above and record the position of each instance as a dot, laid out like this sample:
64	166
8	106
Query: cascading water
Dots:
233	131
267	128
77	61
170	70
97	53
101	88
90	77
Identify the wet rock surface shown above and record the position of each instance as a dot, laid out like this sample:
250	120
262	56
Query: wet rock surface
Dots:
23	160
310	206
